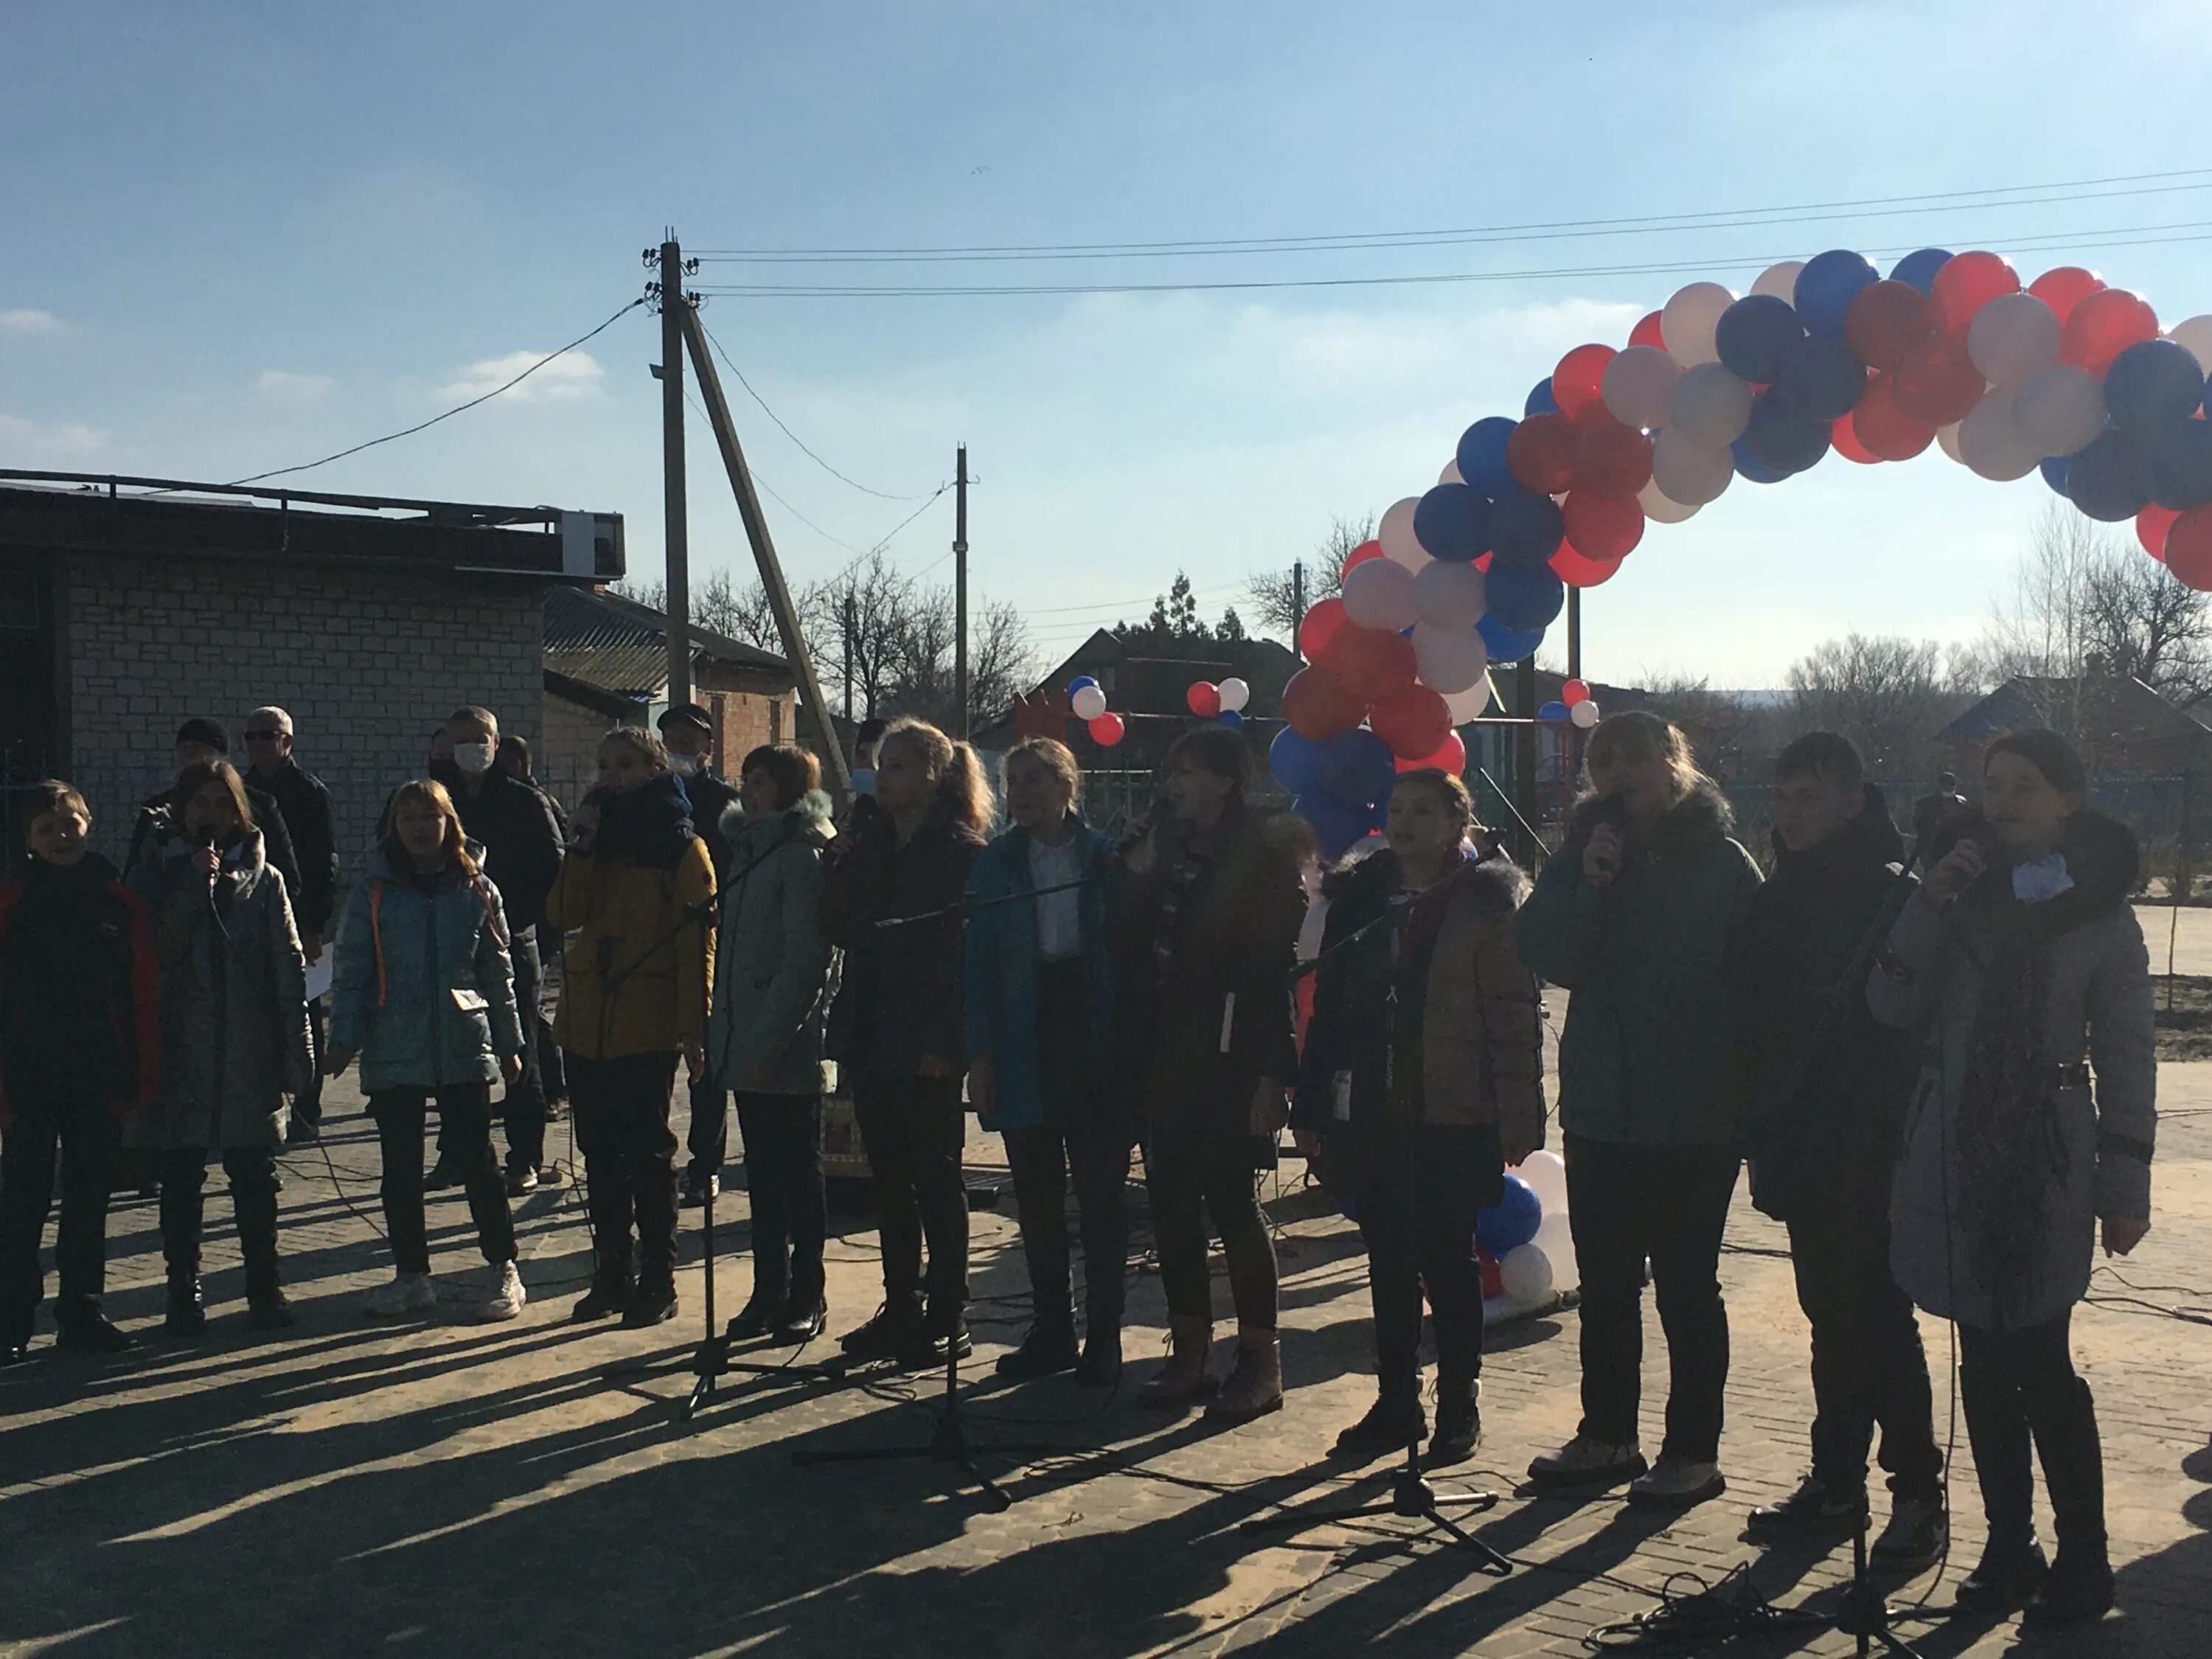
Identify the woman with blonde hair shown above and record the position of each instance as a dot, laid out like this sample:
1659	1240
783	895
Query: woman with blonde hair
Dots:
1633	914
424	995
892	904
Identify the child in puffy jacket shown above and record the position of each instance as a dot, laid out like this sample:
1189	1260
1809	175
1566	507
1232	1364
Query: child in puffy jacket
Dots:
425	997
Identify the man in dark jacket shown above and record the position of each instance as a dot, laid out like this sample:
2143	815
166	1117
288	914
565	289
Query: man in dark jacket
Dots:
200	741
1822	1139
304	805
689	732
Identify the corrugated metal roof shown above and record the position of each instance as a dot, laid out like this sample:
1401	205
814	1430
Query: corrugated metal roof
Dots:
622	646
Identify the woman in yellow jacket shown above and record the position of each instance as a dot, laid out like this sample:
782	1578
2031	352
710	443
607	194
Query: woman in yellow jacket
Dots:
635	899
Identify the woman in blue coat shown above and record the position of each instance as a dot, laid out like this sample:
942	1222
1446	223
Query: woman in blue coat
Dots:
1039	1004
424	994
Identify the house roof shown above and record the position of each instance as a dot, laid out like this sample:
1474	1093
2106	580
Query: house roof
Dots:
2122	703
620	648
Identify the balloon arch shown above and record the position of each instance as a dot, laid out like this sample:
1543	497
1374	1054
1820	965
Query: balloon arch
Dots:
2064	375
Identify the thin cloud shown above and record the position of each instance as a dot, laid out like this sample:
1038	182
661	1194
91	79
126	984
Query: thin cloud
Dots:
288	387
29	319
28	442
576	375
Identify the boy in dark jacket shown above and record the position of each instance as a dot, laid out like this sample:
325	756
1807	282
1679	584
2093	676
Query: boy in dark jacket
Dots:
80	1041
1822	1139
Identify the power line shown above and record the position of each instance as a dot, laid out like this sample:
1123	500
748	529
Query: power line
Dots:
724	354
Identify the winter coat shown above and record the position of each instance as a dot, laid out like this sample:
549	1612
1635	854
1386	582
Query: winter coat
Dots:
1471	1052
1003	956
304	804
512	822
1649	1054
715	812
1195	1036
773	965
424	986
899	998
638	967
80	988
159	830
1834	1140
234	1038
2089	1151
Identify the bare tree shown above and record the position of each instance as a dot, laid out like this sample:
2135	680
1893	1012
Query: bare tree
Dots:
1888	695
1274	594
1726	731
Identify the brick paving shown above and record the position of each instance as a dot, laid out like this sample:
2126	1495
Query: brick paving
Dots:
445	1488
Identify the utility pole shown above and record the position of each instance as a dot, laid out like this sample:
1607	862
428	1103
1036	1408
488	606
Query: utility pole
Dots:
1524	748
1297	603
960	590
1573	769
849	631
674	308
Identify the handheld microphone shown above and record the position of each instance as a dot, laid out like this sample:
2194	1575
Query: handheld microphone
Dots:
1613	810
1141	826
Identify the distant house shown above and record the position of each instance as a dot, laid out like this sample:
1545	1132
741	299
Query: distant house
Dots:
2121	725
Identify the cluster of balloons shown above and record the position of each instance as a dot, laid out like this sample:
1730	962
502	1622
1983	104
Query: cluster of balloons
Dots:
1088	699
1223	704
1525	1243
1572	708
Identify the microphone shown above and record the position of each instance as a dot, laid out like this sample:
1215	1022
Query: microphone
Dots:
1141	826
1613	808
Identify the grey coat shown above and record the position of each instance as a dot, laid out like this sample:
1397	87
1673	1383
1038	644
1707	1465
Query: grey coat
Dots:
2096	1005
774	964
234	1002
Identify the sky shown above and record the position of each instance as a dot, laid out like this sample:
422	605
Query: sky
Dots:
234	237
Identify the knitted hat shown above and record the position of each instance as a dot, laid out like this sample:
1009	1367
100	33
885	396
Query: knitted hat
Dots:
204	731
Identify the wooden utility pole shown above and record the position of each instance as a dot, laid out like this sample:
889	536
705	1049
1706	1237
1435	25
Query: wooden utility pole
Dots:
1572	770
1524	751
849	631
771	569
674	308
960	590
1297	603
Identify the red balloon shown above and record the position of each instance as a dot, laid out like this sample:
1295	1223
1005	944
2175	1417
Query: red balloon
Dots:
1359	556
1940	384
1413	723
1887	323
1450	758
1602	529
1493	1283
1968	281
1574	691
1883	428
1482	561
1579	380
1107	729
2153	524
1541	454
1844	435
2064	287
1646	332
1324	621
1204	698
2105	324
1579	570
1317	705
1611	459
1373	664
2189	549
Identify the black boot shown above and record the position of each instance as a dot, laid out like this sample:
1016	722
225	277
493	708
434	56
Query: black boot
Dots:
2079	1590
253	1195
2009	1574
1459	1422
1049	1347
180	1207
653	1301
608	1295
188	1308
2012	1563
894	1325
805	1311
1393	1423
92	1332
1100	1365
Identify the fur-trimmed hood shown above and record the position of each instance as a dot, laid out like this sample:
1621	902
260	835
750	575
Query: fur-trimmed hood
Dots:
809	819
1684	830
1493	882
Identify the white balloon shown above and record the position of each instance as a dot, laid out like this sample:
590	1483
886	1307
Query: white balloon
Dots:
1089	704
2196	333
1472	703
1780	281
2061	410
1524	1274
1450	474
1990	441
1639	386
1583	715
1235	694
1661	507
2013	338
1396	535
1946	440
1449	594
1450	660
1546	1172
1710	406
1689	470
1688	319
1379	593
1555	1237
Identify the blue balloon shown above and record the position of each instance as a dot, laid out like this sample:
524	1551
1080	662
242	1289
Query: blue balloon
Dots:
1482	455
1754	333
1524	598
1748	465
1525	527
1821	379
1512	1221
2181	466
1356	767
1540	400
1452	521
1232	718
2054	471
1079	683
1919	268
1781	439
2154	383
1553	713
2110	480
1504	644
1336	825
1827	287
1295	760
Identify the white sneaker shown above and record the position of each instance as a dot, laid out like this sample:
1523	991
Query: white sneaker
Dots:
1677	1483
508	1297
407	1293
1584	1462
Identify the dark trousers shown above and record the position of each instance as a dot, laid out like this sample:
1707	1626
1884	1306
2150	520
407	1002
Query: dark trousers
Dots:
1668	1205
620	1108
1868	1367
2015	1385
912	1129
80	1128
1041	1160
552	1071
307	1105
1191	1177
1416	1202
707	1139
790	1206
524	1107
464	1135
253	1173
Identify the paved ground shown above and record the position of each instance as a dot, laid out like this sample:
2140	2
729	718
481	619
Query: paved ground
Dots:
443	1487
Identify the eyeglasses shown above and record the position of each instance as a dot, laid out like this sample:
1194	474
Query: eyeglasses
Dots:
263	737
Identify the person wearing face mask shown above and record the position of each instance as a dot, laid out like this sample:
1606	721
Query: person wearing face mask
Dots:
688	732
1633	914
235	1038
514	823
2030	1131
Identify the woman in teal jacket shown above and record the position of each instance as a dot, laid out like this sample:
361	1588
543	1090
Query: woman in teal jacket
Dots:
1632	916
424	994
1039	1004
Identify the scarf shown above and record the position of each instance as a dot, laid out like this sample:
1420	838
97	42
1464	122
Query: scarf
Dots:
651	823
